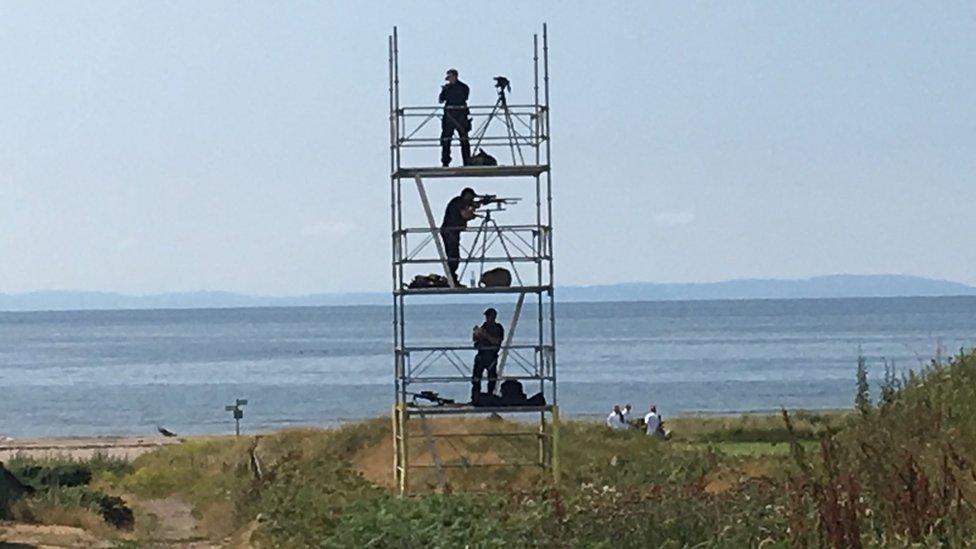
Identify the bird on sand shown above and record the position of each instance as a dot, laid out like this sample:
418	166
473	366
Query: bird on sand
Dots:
165	432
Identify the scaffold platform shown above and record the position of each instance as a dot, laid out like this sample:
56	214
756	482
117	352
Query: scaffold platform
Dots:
530	170
474	291
480	410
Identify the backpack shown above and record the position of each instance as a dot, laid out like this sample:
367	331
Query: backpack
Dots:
512	393
496	278
482	159
485	400
429	281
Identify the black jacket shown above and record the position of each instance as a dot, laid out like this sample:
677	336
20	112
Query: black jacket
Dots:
454	95
453	220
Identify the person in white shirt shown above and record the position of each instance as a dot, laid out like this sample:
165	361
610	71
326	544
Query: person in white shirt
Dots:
627	416
653	422
615	420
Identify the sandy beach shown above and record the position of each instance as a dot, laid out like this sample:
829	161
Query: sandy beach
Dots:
82	447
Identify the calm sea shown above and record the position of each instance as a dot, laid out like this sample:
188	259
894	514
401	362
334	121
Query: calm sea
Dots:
124	372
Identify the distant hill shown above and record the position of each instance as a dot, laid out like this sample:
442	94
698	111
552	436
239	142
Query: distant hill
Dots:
833	286
816	287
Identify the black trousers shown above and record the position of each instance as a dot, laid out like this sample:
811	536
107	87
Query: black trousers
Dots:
455	122
452	247
485	360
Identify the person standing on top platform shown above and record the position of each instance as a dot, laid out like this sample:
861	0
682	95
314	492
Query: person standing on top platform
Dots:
459	211
488	340
454	95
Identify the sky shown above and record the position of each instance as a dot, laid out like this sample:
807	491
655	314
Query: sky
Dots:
243	146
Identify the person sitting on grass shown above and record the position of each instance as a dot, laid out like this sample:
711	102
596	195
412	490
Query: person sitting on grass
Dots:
616	421
628	418
654	423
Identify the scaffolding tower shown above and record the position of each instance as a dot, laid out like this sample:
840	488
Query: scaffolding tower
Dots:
518	135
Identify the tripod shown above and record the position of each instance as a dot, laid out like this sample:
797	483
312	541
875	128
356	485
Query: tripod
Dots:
501	106
489	231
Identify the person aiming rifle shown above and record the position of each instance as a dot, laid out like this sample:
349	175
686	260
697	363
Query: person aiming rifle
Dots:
454	96
459	211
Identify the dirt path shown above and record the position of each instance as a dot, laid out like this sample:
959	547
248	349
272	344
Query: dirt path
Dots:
171	523
16	535
166	522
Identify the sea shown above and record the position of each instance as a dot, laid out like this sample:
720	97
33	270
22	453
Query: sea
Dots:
93	373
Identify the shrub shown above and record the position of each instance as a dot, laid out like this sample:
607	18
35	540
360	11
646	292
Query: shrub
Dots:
61	494
72	506
436	521
903	473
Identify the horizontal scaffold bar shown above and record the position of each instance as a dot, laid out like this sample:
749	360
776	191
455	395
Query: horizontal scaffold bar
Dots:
514	434
423	110
428	348
528	170
469	465
488	259
496	141
411	410
474	229
489	290
466	379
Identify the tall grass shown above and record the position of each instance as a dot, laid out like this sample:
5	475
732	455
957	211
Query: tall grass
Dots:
897	472
902	473
61	492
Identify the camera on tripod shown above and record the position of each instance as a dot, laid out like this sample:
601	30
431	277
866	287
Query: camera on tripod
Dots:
512	138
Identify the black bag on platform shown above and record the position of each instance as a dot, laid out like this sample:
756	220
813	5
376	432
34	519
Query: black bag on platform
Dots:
499	277
537	399
486	400
512	393
429	281
482	159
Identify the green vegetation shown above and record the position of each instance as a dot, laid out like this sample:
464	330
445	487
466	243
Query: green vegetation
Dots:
898	472
58	492
309	488
310	491
902	472
41	473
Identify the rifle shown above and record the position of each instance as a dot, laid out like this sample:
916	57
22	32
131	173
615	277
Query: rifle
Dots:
431	396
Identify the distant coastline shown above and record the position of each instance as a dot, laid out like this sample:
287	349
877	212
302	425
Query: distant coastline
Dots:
821	287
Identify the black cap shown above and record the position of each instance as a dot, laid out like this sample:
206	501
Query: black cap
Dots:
491	311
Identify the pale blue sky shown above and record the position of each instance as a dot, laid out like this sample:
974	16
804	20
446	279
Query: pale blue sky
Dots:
240	146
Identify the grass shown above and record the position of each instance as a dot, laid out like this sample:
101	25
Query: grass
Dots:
66	471
900	472
313	484
755	427
754	448
61	493
65	507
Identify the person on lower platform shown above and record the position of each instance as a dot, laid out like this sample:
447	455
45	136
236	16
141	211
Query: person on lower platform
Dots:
454	95
459	211
488	340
